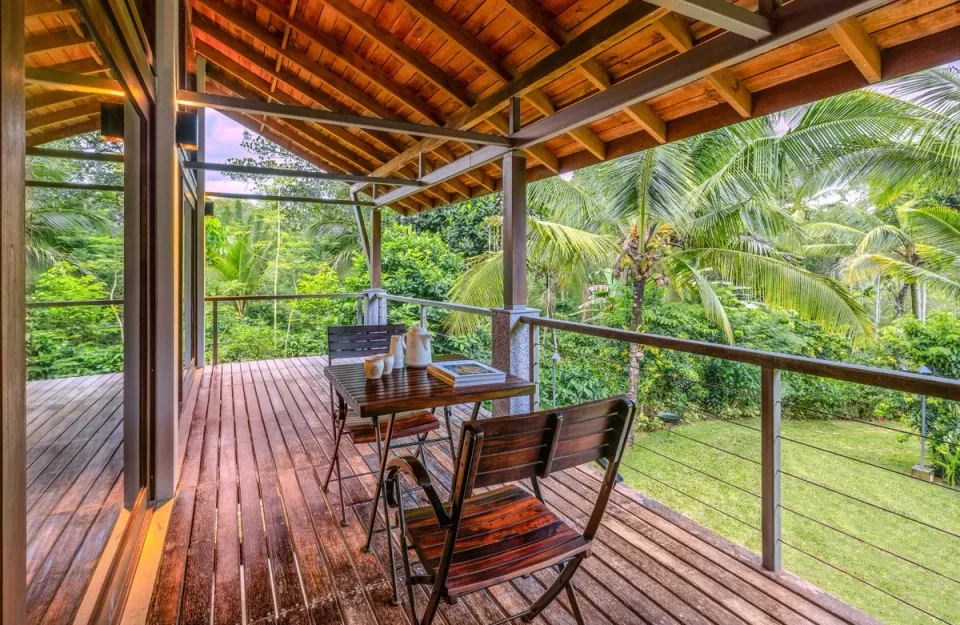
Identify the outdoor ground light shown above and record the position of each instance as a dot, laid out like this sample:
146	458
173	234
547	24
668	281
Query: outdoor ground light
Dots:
187	125
111	121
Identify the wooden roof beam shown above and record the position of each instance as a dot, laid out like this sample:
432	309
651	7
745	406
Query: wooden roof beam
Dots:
56	41
62	133
276	109
297	173
73	82
51	98
87	66
723	81
352	58
486	57
62	116
257	32
858	45
47	8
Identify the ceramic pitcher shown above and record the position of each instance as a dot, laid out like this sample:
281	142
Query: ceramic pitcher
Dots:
418	347
398	352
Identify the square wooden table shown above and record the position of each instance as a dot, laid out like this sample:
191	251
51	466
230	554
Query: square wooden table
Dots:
406	390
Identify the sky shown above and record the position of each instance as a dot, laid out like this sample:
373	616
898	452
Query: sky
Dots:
223	136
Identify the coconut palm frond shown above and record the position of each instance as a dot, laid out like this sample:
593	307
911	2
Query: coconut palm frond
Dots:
480	285
683	273
830	250
936	226
559	245
921	276
835	233
885	238
781	283
569	202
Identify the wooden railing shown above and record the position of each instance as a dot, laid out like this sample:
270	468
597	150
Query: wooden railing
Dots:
771	365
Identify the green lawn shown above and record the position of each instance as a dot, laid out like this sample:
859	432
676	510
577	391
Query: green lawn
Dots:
931	504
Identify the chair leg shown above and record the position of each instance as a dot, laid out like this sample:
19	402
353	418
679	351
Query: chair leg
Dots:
383	449
408	574
563	579
574	603
453	450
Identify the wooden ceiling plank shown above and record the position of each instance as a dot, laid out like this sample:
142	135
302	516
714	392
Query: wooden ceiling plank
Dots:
723	81
351	58
858	45
398	48
63	133
255	31
47	8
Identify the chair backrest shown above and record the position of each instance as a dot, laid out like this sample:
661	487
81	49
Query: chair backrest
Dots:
506	449
360	341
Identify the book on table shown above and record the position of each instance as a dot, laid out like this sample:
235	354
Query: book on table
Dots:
465	373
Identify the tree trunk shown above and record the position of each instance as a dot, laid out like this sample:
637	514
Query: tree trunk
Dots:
636	320
898	301
915	301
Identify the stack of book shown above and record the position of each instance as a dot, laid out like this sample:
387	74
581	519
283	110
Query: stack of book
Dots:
459	373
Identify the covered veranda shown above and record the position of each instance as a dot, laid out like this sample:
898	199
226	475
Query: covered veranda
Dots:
415	104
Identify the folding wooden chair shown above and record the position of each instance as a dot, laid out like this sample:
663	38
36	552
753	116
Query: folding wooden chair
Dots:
360	342
473	542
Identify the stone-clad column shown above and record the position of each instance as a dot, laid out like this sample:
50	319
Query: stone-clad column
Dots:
514	352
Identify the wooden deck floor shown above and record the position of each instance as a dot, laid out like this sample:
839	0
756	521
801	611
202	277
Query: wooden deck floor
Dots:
74	488
253	539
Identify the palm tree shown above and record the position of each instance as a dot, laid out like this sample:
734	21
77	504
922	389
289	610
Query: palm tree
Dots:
242	269
50	225
562	255
716	207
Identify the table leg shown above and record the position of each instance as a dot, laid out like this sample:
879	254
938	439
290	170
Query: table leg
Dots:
384	456
476	412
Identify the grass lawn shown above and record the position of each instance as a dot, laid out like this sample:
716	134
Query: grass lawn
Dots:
931	504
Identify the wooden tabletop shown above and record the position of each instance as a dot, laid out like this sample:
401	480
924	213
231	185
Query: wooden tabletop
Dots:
413	389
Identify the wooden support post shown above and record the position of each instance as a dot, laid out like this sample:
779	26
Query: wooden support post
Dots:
199	281
770	408
167	256
514	221
13	482
132	262
215	348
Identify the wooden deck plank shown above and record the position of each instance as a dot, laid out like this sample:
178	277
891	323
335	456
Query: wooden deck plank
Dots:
274	440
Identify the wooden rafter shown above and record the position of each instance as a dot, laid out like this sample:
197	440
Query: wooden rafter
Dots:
858	45
51	98
72	130
723	81
488	59
73	82
64	115
55	41
613	28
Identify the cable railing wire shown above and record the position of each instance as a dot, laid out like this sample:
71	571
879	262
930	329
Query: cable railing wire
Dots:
685	494
865	582
870	504
867	422
869	544
700	471
868	463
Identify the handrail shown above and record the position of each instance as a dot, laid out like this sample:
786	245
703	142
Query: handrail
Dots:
873	376
282	296
473	310
79	302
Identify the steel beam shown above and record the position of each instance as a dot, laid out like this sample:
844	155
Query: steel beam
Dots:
242	105
721	14
285	198
297	173
77	156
